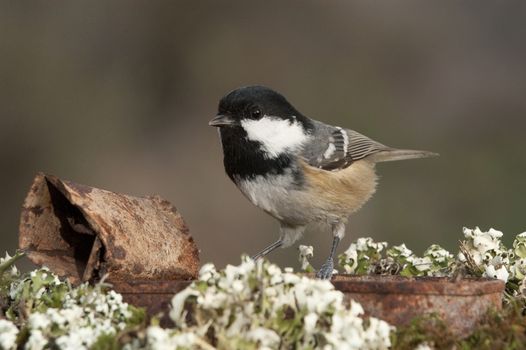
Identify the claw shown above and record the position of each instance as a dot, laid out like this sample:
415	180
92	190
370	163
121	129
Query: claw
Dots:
325	271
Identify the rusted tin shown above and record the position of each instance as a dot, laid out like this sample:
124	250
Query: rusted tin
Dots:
395	299
460	304
84	233
154	296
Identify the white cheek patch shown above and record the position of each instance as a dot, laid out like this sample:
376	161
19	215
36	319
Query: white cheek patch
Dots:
276	135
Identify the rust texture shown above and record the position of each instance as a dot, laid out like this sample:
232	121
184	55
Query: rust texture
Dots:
398	300
461	304
154	296
83	233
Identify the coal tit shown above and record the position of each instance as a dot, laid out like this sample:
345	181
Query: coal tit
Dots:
297	169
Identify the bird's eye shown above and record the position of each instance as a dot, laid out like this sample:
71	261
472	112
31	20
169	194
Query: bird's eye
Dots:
256	113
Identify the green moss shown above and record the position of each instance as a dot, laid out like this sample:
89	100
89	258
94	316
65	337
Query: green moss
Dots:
500	330
138	316
426	329
106	342
505	329
6	278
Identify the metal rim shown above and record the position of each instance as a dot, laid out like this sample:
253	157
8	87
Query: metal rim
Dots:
416	285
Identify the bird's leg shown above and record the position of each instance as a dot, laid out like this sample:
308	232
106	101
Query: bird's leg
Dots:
325	271
268	249
288	235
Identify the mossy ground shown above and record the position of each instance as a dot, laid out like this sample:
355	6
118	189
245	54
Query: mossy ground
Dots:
505	329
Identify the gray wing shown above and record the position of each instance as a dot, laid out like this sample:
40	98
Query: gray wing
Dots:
334	148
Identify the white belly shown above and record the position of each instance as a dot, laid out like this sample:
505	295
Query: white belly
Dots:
278	196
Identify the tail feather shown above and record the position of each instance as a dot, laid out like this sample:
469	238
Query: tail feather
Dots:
400	154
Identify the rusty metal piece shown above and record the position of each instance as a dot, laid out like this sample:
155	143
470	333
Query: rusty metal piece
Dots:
154	296
460	304
83	233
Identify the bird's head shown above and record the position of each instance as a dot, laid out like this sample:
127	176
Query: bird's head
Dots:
262	115
253	103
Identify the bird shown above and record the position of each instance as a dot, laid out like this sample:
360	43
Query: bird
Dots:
297	169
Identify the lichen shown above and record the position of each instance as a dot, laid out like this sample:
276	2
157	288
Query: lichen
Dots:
47	312
260	306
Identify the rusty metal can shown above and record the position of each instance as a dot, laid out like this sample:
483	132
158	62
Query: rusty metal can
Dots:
460	304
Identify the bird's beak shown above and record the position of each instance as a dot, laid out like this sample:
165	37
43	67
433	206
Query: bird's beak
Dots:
221	120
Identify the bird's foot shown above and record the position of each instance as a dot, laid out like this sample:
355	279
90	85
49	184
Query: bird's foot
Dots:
325	271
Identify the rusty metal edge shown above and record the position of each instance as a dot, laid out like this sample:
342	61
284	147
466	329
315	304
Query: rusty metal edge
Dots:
349	284
150	286
417	286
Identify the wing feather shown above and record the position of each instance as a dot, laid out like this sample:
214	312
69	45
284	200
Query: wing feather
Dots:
335	148
360	146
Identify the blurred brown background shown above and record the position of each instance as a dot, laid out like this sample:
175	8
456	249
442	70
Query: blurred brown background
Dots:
118	95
